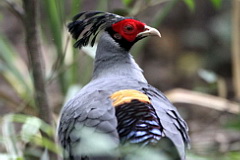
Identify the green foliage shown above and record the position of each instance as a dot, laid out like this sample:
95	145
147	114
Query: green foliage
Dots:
15	72
55	22
16	141
234	124
127	2
232	156
190	4
191	156
217	3
22	135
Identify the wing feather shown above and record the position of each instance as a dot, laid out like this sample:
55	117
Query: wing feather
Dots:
86	115
175	128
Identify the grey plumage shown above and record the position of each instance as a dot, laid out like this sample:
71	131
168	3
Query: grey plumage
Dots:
114	70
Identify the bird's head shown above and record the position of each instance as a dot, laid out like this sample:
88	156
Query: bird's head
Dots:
125	31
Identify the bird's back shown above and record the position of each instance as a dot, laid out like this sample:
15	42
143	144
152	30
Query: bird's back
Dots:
129	111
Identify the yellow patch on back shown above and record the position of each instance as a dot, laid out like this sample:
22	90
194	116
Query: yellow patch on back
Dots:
127	95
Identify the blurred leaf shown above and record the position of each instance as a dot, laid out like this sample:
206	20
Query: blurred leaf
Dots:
208	76
4	156
216	3
45	155
192	59
73	70
104	143
191	156
234	124
29	134
8	157
46	143
55	23
30	128
13	70
21	118
10	140
232	156
133	152
127	2
190	4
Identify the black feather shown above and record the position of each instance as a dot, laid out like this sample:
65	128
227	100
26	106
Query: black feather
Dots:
86	26
78	16
93	40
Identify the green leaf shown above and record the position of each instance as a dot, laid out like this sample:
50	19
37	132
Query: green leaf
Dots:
190	4
55	23
9	157
10	139
46	143
55	19
234	124
127	2
15	70
104	143
30	128
216	3
232	156
29	134
21	118
192	156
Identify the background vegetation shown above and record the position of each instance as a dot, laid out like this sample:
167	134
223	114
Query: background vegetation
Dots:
199	51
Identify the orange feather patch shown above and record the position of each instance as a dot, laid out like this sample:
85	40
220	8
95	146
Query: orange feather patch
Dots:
126	96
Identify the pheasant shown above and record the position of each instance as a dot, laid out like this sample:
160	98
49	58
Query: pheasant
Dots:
118	101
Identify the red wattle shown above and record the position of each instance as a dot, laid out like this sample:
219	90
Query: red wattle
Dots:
131	35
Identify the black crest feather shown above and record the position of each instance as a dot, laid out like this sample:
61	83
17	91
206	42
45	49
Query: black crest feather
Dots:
86	26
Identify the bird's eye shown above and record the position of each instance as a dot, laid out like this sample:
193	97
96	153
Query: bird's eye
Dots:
128	28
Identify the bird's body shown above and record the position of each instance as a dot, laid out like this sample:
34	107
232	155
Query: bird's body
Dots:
119	102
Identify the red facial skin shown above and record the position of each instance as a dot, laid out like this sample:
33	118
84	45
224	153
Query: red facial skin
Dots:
128	28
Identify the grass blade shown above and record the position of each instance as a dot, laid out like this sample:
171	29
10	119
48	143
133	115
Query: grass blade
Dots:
15	70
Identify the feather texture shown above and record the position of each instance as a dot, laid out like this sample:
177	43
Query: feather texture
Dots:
118	102
86	26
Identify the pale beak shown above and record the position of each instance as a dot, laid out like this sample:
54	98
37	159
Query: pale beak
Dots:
149	31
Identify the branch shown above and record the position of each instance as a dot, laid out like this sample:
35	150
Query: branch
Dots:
236	46
36	62
204	100
15	9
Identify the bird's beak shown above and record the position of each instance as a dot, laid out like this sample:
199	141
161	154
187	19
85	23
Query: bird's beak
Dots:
149	31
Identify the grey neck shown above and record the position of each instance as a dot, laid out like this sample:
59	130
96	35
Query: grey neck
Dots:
112	61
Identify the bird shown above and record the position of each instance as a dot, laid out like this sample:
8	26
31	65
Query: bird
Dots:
118	101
